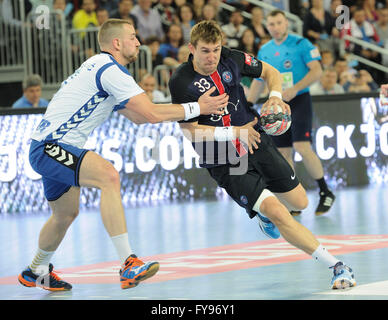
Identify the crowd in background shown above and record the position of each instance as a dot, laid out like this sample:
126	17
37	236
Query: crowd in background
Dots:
164	26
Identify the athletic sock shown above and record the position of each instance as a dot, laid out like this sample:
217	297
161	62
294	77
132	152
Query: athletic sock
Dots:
41	261
122	246
322	185
323	256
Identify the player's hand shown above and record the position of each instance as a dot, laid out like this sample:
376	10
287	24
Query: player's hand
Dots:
213	104
249	135
275	101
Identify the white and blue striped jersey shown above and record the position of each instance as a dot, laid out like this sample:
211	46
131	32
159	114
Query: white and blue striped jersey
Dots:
85	100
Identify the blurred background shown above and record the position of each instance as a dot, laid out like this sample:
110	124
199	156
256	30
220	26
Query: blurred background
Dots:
43	42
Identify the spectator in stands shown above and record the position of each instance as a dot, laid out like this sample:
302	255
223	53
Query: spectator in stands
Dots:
123	11
60	5
319	27
102	15
341	65
197	7
32	91
247	43
183	54
148	20
110	5
148	84
86	16
178	3
222	15
327	84
327	59
360	28
239	4
208	12
167	13
154	44
257	24
234	29
185	14
381	25
369	7
362	82
169	49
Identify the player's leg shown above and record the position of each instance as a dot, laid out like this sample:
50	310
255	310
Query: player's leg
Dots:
64	211
310	160
287	153
300	237
100	173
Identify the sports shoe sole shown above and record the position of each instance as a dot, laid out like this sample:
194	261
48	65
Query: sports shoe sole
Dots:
148	273
343	284
30	284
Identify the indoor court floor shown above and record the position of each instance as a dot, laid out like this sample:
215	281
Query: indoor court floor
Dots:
208	250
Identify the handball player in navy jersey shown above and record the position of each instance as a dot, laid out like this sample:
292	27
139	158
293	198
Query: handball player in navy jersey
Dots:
238	155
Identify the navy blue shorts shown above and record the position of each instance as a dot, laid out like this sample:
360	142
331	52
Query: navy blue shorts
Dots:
302	122
58	164
267	169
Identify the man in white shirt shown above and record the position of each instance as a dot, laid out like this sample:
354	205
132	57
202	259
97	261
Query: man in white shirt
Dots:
327	84
101	85
149	22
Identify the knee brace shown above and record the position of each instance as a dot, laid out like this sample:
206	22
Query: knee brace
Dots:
264	195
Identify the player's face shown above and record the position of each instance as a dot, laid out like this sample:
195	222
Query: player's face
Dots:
130	44
206	56
277	26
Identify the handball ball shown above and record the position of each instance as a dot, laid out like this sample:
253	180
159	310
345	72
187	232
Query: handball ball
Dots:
275	124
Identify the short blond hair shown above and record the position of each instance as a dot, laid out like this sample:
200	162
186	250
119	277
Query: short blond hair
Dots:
111	29
206	31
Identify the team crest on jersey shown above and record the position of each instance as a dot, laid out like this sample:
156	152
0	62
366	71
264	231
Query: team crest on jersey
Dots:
287	64
227	76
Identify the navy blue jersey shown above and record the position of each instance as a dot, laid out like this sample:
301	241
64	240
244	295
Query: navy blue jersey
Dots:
187	85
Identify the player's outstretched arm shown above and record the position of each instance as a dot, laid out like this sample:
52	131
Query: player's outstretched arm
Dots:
140	109
200	133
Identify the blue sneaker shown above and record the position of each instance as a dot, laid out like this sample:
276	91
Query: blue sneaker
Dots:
135	270
343	277
268	228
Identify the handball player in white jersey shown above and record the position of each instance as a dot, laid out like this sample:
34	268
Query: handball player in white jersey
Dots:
87	98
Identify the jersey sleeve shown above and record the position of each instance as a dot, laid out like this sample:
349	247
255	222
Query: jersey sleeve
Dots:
119	84
308	51
249	66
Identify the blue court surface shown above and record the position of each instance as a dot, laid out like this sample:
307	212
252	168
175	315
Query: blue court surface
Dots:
208	250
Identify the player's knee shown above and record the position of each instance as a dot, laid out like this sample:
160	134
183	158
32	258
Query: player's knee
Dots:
65	217
303	202
274	210
270	206
111	178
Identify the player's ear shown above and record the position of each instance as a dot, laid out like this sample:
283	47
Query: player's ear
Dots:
191	48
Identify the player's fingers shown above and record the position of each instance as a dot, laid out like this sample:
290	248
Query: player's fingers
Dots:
254	122
210	91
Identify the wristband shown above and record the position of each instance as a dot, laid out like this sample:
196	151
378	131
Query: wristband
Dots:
223	134
192	110
276	94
